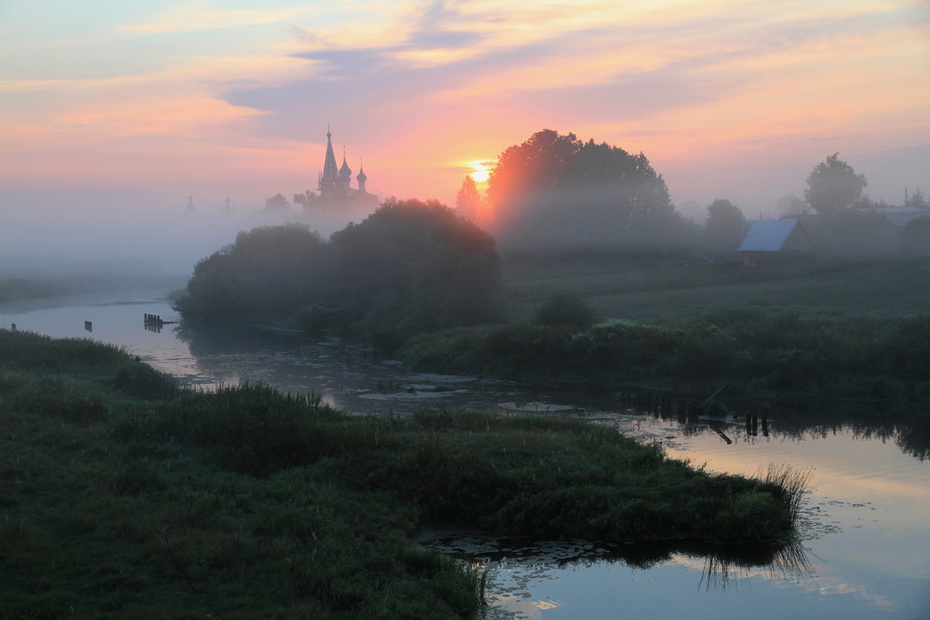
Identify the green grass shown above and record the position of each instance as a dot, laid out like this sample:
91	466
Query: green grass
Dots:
122	495
668	289
77	280
800	335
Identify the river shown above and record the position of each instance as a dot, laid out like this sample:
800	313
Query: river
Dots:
864	549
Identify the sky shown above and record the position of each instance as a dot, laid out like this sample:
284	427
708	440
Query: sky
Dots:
112	106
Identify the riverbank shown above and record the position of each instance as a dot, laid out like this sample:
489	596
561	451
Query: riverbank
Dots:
804	336
122	494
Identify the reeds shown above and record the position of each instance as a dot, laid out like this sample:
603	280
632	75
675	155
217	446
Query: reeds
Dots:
794	483
278	503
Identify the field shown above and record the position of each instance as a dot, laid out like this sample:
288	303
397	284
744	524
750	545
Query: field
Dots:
809	336
666	290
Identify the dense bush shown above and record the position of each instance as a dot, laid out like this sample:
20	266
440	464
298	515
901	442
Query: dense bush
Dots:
762	353
565	309
916	236
409	267
268	272
413	266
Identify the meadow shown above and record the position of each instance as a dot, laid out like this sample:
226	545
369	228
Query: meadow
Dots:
806	335
667	289
123	495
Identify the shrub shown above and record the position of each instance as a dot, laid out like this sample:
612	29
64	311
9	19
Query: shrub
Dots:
269	271
564	309
410	267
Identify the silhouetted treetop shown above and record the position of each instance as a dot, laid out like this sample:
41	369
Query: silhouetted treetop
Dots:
468	201
723	230
833	186
409	267
557	189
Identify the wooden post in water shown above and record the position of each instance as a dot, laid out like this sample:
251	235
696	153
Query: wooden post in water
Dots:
88	326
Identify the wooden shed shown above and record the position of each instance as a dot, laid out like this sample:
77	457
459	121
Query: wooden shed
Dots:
770	242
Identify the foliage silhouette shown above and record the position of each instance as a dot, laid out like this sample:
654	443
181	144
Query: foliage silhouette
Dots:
564	309
723	230
409	267
268	272
833	186
468	201
556	191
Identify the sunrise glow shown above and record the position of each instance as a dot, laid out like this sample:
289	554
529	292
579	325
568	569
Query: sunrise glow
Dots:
192	97
480	173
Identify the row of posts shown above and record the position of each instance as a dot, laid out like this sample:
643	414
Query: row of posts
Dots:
153	323
685	409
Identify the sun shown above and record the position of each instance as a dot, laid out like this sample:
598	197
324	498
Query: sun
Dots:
480	172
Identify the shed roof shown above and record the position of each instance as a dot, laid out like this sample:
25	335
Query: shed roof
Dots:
767	235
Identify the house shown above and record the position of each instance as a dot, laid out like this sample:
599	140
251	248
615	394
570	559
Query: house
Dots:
770	242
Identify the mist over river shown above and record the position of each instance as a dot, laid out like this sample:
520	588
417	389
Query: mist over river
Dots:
864	547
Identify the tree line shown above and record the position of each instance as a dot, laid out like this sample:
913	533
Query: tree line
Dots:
554	191
411	266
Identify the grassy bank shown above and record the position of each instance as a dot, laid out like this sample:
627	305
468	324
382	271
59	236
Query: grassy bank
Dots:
21	289
666	290
851	332
121	495
763	355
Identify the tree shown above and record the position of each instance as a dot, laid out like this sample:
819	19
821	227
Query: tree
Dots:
565	309
833	186
468	201
723	230
408	267
916	200
276	203
413	266
791	206
307	199
269	271
556	190
916	235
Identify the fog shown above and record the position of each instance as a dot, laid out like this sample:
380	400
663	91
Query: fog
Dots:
635	217
59	233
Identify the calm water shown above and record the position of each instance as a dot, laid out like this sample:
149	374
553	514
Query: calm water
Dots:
865	539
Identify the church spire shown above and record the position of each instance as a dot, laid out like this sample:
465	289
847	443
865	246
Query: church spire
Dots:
361	178
330	171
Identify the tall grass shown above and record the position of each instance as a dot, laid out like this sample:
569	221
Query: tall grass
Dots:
154	502
762	354
792	482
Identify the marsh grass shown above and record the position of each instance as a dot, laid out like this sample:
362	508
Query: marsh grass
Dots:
123	495
763	354
792	482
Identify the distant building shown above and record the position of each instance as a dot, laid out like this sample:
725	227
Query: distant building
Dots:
335	185
190	205
771	242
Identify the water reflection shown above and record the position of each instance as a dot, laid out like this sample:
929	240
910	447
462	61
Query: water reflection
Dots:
355	378
722	563
516	568
865	526
789	560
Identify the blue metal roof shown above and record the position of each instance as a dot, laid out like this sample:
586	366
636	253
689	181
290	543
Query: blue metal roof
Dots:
767	235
